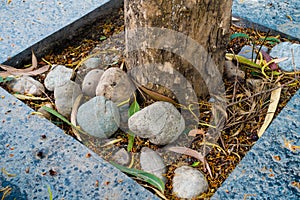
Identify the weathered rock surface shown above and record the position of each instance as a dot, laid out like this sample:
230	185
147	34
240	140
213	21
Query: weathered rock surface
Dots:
151	162
99	117
91	81
289	50
246	51
115	85
188	182
232	72
26	85
65	96
161	122
44	113
58	76
122	157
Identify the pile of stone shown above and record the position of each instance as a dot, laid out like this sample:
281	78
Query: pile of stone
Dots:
105	107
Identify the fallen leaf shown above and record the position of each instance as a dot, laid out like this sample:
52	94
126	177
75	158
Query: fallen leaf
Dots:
34	61
75	107
195	132
22	72
274	100
187	151
272	65
33	98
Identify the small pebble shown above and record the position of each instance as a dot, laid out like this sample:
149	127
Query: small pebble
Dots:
58	76
188	182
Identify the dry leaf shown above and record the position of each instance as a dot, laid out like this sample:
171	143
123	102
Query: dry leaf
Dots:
33	98
33	61
187	151
22	72
75	107
274	100
157	96
195	132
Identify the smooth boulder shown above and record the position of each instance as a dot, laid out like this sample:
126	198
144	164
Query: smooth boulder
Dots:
160	122
291	52
65	97
58	76
188	182
26	85
115	85
151	162
91	81
99	117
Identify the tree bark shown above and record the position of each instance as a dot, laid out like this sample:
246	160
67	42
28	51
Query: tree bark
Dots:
180	45
207	22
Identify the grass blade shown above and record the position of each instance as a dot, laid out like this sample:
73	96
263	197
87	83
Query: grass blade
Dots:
275	97
145	176
239	35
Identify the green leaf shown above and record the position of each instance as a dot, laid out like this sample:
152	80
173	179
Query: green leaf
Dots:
145	176
103	38
239	35
195	164
56	114
134	107
271	39
50	193
1	80
130	142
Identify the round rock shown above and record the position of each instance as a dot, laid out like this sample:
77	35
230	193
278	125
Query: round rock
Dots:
122	157
65	96
91	81
58	76
188	182
161	122
26	85
115	85
99	117
152	163
285	49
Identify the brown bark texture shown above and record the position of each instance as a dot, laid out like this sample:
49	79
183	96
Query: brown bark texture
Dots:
207	22
179	45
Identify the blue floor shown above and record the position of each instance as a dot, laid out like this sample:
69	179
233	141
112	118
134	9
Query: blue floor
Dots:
269	171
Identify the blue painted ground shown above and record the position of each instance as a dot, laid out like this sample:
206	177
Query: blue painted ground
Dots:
269	170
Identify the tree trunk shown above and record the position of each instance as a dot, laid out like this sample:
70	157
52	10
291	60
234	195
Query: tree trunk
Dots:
179	45
207	22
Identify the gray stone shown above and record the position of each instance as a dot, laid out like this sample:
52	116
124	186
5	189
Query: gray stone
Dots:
115	85
246	51
122	157
232	72
65	96
255	84
99	117
26	85
58	76
92	63
151	162
45	113
78	176
188	182
161	122
88	65
289	50
123	110
91	81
